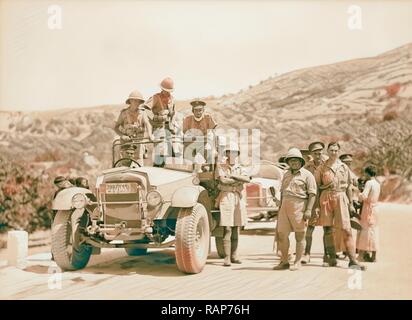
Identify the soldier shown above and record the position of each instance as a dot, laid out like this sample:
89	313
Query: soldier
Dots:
347	159
306	155
82	182
231	202
198	124
315	149
164	123
334	183
162	105
133	123
61	183
298	192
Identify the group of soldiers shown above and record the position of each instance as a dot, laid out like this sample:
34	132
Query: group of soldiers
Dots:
321	191
155	118
316	191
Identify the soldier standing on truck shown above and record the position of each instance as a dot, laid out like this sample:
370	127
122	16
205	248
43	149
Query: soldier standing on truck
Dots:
162	105
134	124
315	149
298	193
231	202
162	117
195	126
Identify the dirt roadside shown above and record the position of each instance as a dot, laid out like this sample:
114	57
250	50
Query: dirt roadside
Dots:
113	275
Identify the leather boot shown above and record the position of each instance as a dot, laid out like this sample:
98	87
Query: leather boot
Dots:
226	249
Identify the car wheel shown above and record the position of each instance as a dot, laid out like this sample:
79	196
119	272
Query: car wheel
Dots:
67	251
219	247
135	251
192	239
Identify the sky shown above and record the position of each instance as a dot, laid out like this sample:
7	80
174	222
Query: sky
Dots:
99	51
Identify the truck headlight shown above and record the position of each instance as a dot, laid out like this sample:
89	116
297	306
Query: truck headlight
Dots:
153	199
79	201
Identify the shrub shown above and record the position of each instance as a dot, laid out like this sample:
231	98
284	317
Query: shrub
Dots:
49	155
393	89
25	199
390	115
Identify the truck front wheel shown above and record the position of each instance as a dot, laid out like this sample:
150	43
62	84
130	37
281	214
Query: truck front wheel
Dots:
192	239
68	252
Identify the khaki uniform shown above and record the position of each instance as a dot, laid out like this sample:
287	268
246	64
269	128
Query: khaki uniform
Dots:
140	123
314	219
196	128
338	235
334	203
231	200
295	191
161	106
128	118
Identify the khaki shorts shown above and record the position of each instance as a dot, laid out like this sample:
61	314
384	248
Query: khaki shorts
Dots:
291	215
334	210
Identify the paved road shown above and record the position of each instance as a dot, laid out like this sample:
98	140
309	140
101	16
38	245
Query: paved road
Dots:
113	275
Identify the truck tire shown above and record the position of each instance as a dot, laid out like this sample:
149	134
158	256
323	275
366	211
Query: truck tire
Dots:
66	251
219	247
133	252
192	239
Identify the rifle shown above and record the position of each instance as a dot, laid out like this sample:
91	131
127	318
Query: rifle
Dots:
240	178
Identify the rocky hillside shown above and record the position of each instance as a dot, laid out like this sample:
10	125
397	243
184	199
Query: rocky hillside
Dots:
340	101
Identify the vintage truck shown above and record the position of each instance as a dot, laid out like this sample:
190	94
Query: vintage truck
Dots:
137	208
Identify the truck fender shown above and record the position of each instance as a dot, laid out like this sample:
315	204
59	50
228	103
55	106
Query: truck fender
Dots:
186	197
63	200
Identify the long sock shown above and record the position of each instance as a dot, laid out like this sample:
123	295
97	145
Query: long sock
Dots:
300	245
330	243
234	243
284	246
309	232
350	245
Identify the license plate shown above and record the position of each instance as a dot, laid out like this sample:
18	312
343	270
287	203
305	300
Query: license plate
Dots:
114	188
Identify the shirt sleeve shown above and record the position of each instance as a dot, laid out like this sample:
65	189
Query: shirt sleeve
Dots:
350	183
120	120
186	124
220	172
212	123
318	175
365	194
311	184
149	103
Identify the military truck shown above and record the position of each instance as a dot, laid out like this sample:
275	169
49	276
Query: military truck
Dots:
136	208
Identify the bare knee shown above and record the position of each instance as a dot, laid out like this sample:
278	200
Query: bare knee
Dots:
299	236
282	236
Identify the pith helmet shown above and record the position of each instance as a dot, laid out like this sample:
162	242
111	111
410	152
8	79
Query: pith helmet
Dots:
317	145
135	95
167	84
294	153
232	146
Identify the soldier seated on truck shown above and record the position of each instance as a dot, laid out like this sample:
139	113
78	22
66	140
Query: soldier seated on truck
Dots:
133	123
